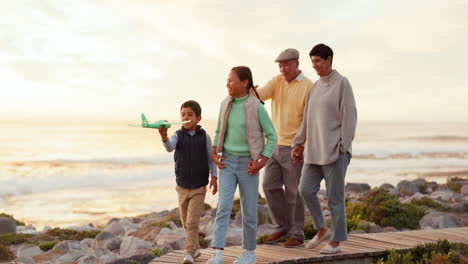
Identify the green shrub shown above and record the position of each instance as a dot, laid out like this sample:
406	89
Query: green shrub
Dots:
157	252
46	246
309	230
454	183
6	254
206	206
13	239
176	220
384	209
68	234
261	239
17	222
236	206
442	251
428	202
356	223
133	262
261	200
204	243
160	224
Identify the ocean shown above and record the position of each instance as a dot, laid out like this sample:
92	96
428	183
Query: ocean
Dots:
62	173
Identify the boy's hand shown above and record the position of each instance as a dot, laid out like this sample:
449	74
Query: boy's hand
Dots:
214	184
218	159
297	154
163	133
254	165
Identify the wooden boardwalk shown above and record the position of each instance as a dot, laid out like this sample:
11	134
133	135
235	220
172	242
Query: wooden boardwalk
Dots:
357	247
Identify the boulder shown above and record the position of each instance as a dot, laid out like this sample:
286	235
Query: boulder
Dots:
28	251
107	240
88	259
133	246
147	233
7	225
437	220
417	195
263	215
373	228
265	229
115	228
65	251
234	236
88	227
464	189
442	195
128	224
389	229
87	243
356	188
408	188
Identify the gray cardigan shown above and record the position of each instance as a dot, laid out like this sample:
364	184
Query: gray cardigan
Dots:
330	118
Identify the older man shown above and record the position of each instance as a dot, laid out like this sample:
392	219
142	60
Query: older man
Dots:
288	93
327	131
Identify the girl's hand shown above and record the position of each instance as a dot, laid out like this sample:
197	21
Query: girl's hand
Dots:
214	184
254	165
218	159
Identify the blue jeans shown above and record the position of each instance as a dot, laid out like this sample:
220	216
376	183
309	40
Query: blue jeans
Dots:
236	173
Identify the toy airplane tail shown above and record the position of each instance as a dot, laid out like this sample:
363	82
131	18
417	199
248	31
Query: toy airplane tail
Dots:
144	121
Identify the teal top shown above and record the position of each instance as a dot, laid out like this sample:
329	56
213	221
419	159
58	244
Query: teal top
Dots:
235	141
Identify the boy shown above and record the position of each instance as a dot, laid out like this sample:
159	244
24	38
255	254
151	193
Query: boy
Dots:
192	165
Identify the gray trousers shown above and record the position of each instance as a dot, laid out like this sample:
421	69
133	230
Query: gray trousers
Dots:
334	175
285	205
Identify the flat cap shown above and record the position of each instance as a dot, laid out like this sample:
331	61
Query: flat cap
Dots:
288	54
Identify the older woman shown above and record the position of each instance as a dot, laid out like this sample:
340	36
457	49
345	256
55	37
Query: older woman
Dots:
327	131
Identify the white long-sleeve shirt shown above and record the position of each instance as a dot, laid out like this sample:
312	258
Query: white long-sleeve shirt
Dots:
171	144
330	118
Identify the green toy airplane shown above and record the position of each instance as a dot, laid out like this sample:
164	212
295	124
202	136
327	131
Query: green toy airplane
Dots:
158	124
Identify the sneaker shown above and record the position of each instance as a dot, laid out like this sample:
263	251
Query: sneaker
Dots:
216	258
275	237
315	241
197	254
292	242
188	260
246	258
328	249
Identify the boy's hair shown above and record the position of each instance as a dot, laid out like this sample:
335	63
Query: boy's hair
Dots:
322	51
193	105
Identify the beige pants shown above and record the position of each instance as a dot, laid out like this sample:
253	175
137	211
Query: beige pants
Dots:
191	207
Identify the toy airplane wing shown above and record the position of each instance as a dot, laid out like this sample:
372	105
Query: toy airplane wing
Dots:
158	124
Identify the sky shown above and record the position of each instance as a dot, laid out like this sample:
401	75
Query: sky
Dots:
114	59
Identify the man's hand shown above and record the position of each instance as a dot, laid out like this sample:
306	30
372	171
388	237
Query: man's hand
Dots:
218	159
297	154
214	184
254	165
163	133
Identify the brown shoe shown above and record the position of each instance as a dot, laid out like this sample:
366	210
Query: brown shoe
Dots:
292	242
275	237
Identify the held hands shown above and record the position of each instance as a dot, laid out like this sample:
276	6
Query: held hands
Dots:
297	154
218	159
214	184
163	133
255	165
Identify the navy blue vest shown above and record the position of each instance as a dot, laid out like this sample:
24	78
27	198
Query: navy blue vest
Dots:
191	159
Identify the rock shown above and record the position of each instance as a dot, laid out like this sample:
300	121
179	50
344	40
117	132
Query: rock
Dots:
326	213
207	230
88	259
172	225
373	228
174	241
265	229
390	188
263	215
238	219
107	240
147	233
28	251
108	258
234	236
180	232
407	188
432	185
24	260
358	231
417	195
128	224
65	251
115	228
7	225
464	189
46	228
87	243
142	259
457	207
30	227
29	231
133	246
357	188
88	227
436	220
442	195
389	229
205	219
458	197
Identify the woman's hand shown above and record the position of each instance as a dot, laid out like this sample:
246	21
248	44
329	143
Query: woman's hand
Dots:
214	184
297	154
218	159
254	165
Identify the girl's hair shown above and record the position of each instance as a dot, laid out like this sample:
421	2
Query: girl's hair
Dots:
244	73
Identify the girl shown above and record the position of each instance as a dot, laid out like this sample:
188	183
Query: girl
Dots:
243	124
